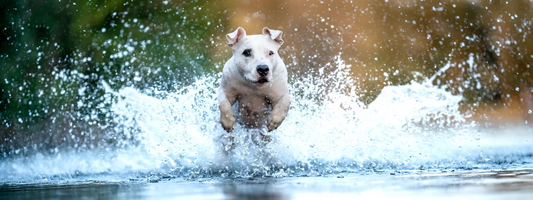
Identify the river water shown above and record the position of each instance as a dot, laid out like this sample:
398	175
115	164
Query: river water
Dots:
411	142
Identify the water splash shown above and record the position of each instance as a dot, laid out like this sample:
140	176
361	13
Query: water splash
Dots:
327	131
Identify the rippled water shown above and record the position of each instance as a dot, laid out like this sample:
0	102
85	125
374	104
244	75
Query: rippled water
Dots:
328	131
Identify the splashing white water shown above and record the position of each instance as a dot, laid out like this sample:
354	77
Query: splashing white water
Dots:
414	126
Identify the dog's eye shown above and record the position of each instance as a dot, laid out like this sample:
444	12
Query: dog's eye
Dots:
270	53
247	52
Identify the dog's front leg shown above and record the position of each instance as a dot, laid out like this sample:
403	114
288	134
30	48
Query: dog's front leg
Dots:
279	112
227	119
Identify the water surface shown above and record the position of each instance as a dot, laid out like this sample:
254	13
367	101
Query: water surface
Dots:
330	144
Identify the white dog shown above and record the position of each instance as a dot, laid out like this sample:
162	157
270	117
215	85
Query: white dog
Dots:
256	78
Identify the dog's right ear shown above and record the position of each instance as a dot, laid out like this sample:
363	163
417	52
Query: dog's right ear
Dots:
235	36
274	34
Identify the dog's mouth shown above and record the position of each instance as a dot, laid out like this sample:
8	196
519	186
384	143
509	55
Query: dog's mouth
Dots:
261	81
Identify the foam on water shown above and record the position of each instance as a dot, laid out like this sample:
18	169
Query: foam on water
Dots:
413	126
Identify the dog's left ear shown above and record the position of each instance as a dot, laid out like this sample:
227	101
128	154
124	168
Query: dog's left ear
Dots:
274	34
235	36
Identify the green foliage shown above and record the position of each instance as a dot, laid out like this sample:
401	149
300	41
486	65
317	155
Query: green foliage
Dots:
54	55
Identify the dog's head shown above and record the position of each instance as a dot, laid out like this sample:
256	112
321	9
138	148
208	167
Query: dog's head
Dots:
256	56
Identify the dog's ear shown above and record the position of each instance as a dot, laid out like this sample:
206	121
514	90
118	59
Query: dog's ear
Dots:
235	36
274	34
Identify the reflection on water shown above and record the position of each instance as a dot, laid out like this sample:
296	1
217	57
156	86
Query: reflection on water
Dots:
262	189
477	184
63	191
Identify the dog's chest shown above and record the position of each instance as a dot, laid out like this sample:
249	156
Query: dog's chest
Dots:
253	108
253	104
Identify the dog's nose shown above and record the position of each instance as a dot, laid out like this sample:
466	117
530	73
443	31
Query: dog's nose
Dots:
262	70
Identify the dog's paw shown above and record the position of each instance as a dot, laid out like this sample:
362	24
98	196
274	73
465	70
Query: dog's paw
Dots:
228	122
274	122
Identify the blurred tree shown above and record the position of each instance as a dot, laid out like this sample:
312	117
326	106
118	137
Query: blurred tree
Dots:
54	56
